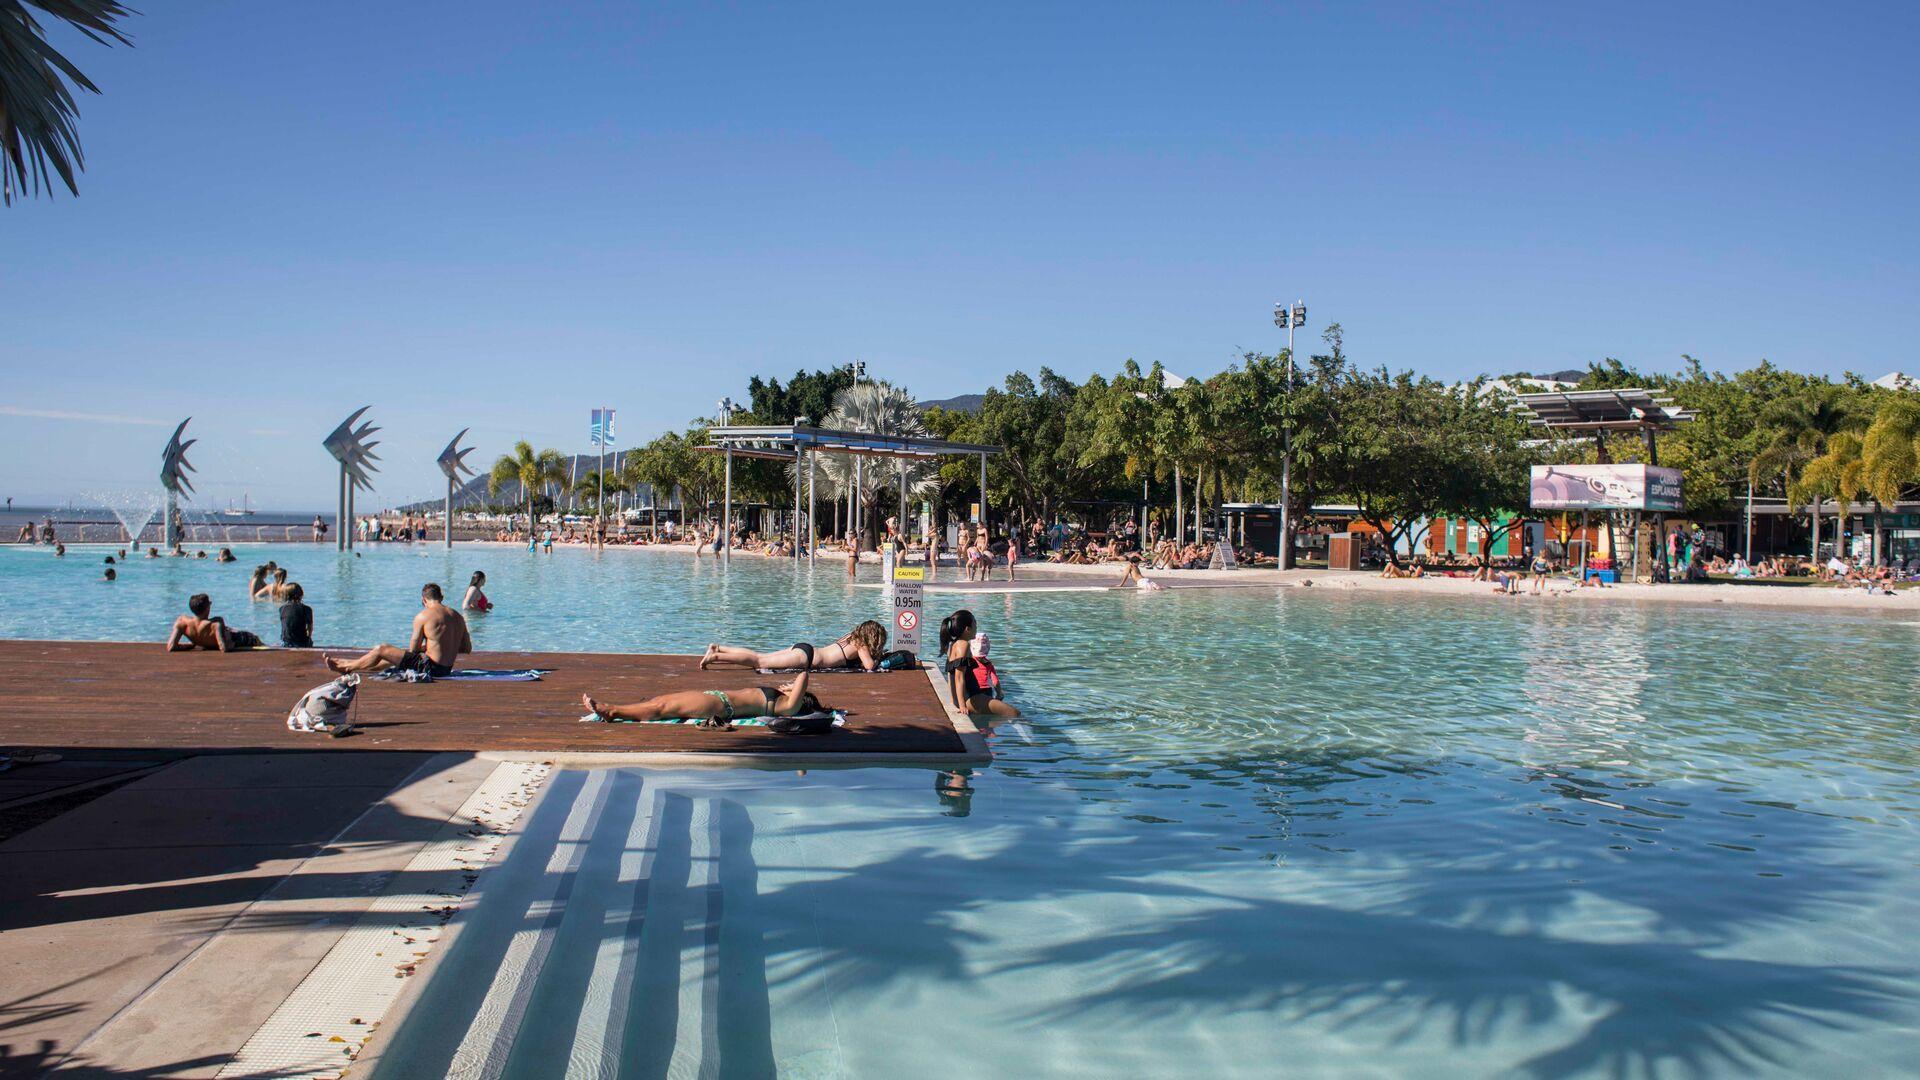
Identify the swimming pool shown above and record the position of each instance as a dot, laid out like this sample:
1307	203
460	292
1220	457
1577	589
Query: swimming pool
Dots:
1240	833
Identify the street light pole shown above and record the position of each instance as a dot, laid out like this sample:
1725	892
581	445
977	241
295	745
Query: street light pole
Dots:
1288	318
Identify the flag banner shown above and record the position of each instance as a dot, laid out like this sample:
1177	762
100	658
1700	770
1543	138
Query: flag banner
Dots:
600	429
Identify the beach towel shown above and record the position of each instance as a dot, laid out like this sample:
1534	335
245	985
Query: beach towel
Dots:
475	674
837	718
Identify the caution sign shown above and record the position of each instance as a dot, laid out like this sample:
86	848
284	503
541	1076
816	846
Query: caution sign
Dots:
907	603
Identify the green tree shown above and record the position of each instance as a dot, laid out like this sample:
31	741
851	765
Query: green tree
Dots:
1794	429
876	408
531	469
38	135
1891	448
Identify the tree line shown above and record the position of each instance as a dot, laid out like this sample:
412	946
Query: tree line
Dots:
1403	448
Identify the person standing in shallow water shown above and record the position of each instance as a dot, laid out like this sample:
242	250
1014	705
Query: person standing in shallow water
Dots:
296	620
476	597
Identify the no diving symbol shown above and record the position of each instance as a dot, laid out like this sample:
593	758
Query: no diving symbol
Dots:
907	619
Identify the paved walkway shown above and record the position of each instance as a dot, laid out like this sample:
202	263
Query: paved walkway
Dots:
150	931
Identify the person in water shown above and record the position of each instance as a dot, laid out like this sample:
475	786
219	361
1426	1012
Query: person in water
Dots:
972	680
438	640
199	629
226	555
862	646
476	598
719	707
296	620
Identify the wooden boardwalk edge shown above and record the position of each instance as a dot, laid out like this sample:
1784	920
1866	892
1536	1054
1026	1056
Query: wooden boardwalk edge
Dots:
127	695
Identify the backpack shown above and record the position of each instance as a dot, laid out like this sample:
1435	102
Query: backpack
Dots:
897	660
813	723
326	708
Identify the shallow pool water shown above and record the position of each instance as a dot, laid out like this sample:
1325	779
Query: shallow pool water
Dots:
1240	833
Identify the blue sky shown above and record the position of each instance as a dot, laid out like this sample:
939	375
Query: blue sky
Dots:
498	215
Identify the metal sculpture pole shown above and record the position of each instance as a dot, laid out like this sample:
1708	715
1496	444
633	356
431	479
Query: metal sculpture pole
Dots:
173	470
349	446
452	462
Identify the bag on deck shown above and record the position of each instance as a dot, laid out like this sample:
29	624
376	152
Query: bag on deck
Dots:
897	660
325	708
813	723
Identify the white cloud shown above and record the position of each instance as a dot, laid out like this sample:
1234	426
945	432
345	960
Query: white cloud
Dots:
82	417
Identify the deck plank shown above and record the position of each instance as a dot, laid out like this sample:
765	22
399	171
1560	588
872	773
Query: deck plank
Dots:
135	695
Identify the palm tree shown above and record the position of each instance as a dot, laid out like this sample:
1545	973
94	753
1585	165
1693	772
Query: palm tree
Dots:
1795	428
1841	472
37	110
531	469
876	408
1891	450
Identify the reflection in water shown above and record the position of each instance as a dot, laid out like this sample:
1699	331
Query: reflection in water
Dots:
1237	833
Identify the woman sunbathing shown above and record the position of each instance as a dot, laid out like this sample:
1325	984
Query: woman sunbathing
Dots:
861	647
720	707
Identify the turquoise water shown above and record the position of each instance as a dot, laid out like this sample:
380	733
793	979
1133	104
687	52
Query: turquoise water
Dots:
1240	833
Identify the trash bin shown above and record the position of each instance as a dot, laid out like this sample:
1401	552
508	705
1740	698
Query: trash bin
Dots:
1343	551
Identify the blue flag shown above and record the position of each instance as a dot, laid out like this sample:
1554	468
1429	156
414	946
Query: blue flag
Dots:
600	430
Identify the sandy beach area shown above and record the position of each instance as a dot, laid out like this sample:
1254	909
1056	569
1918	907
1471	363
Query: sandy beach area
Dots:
1560	589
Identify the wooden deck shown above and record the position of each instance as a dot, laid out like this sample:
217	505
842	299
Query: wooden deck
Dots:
127	696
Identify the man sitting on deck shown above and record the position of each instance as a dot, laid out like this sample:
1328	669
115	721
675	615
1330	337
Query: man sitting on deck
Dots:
200	630
439	638
718	708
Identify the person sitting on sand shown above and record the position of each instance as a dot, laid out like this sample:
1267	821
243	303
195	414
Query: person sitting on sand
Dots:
972	682
296	620
199	629
476	598
438	641
716	707
860	647
1131	574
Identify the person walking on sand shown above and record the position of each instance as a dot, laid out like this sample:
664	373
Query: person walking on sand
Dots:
438	640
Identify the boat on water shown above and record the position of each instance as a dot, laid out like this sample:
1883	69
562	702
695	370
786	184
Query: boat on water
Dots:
245	509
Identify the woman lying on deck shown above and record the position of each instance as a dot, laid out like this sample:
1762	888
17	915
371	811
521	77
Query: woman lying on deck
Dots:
861	647
720	706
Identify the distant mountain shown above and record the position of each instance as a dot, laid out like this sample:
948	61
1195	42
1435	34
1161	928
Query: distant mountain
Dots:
474	493
963	403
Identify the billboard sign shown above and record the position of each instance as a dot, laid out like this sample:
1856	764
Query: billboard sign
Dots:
1605	487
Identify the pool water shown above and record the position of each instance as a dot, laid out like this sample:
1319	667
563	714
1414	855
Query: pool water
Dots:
1239	833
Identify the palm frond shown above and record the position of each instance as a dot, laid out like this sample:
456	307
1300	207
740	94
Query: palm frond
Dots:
39	139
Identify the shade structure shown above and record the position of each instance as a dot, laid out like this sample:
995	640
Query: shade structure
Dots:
788	442
1587	411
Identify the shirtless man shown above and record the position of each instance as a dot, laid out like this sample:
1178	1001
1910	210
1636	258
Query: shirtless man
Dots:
201	630
439	639
721	707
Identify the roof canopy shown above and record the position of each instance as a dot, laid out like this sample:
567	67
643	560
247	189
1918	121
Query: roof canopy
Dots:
1602	410
783	443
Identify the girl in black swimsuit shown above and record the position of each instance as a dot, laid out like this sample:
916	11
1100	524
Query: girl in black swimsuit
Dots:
861	647
956	645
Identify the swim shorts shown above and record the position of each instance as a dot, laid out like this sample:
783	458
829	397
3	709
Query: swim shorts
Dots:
419	661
